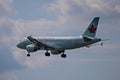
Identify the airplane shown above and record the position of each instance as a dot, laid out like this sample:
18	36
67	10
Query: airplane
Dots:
58	45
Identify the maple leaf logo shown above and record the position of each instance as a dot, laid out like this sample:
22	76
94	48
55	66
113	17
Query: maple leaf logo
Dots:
92	29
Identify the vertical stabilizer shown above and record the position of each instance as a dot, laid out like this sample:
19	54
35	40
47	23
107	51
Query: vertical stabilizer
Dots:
90	32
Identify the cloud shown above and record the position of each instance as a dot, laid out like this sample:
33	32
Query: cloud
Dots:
5	27
8	76
6	8
78	13
83	8
71	17
93	5
38	61
91	60
7	61
33	26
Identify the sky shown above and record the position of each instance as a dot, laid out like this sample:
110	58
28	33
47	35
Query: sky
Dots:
21	18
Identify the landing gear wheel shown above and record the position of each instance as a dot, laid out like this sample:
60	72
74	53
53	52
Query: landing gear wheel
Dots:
63	55
47	54
101	44
28	55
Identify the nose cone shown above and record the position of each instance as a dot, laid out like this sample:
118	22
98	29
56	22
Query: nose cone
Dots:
23	43
20	45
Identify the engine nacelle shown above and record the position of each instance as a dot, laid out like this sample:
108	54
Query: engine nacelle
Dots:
32	48
55	52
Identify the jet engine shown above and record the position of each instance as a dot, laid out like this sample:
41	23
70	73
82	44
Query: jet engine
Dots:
32	48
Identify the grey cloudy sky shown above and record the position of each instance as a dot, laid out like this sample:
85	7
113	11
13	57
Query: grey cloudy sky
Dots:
21	18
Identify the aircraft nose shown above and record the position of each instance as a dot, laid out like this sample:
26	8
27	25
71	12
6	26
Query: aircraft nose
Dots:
20	45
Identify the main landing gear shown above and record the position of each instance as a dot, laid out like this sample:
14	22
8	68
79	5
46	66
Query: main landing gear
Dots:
101	44
63	55
28	55
47	54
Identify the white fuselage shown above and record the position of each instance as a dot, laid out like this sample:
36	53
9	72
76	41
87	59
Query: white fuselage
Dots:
59	43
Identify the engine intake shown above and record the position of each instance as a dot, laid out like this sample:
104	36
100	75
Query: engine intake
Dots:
32	48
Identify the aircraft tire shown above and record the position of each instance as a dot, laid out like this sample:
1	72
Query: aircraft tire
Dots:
63	55
47	54
28	55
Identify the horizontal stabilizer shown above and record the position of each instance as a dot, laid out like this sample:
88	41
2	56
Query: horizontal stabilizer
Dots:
88	38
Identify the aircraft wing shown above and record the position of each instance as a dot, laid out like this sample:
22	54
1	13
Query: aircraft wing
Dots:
38	43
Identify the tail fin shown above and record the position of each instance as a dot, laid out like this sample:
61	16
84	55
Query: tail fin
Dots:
90	32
